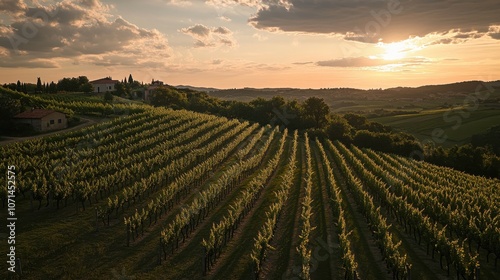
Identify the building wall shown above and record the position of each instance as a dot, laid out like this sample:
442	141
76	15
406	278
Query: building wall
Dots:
54	121
35	123
103	87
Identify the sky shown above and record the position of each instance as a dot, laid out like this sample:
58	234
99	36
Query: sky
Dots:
252	43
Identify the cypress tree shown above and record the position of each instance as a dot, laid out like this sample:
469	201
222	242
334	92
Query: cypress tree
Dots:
39	86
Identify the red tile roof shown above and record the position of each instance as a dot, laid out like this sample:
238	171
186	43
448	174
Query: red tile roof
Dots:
104	81
34	114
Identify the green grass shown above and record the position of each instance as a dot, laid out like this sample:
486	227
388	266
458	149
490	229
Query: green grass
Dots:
458	124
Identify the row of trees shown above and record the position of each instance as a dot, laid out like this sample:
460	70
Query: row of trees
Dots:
476	160
74	84
78	84
312	113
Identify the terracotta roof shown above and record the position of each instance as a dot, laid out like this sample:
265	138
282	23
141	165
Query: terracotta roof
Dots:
34	114
104	81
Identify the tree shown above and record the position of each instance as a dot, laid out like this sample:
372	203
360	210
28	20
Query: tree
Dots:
72	84
128	90
9	107
263	110
87	88
357	121
39	88
108	97
52	87
18	86
242	110
130	79
316	109
165	96
294	108
120	89
339	129
278	102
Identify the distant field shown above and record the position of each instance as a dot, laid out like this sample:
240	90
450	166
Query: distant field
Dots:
458	125
431	106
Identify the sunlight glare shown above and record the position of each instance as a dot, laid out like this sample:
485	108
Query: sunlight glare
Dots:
398	50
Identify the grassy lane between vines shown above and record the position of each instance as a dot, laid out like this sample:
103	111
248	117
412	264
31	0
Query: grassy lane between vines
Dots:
278	260
235	262
366	252
293	267
326	252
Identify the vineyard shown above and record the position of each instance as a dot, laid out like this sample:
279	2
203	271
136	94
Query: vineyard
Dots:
162	194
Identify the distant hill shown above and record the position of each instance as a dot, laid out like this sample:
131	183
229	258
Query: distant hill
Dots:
359	100
452	89
205	89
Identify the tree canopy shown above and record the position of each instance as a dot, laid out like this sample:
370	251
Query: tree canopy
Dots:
168	97
316	109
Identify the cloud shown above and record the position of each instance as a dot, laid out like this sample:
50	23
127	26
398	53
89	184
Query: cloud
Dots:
222	30
181	3
13	7
494	32
303	63
224	18
78	30
368	20
369	62
259	37
198	30
249	3
32	62
210	36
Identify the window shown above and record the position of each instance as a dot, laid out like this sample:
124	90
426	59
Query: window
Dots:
59	121
109	87
51	121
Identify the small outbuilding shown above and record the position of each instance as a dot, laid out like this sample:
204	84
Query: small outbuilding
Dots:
104	85
42	120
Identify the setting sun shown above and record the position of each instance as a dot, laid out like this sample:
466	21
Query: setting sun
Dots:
396	51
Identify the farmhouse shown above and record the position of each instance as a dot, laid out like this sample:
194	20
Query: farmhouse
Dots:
104	84
42	120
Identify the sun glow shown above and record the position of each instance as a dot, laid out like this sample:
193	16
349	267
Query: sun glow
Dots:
398	50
